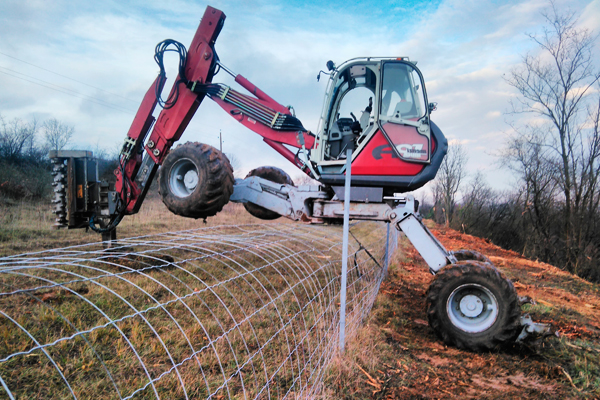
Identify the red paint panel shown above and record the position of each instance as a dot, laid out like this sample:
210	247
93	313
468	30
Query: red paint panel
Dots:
378	158
144	112
291	157
266	132
172	122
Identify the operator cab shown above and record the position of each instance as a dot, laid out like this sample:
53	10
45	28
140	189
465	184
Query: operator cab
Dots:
377	106
353	93
377	90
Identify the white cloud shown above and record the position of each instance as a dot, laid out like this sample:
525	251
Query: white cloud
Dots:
463	48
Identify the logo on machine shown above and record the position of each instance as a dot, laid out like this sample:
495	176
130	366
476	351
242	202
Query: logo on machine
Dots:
411	150
415	151
379	151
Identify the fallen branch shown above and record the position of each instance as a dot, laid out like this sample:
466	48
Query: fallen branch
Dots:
373	382
569	378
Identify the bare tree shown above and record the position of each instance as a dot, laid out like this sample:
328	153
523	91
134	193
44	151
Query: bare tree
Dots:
448	181
235	163
557	84
17	139
475	202
57	134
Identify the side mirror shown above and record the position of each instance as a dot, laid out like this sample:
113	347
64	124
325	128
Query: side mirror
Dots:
432	107
330	65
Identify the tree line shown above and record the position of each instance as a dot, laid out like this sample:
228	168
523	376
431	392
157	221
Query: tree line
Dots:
24	164
553	212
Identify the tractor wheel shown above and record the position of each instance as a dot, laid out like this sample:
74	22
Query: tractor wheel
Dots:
272	174
195	180
472	306
464	255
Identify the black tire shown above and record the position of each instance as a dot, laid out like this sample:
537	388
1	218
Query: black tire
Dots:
214	180
456	289
272	174
464	255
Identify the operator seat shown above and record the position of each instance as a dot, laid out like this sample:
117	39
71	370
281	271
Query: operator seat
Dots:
403	109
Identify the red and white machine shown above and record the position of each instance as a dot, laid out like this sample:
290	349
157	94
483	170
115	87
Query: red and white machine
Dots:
393	145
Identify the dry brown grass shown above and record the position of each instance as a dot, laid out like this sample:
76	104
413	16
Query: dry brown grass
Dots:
28	226
397	356
228	307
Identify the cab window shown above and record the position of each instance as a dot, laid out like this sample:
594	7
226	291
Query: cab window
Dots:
402	92
354	88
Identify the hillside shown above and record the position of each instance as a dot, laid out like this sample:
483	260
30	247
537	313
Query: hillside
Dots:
398	356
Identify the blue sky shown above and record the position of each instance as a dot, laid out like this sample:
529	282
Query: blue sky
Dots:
106	49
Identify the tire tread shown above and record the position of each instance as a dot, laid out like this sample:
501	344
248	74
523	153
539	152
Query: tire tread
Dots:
452	276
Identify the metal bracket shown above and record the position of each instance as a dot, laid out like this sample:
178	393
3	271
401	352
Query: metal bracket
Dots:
308	163
533	328
128	146
310	204
286	200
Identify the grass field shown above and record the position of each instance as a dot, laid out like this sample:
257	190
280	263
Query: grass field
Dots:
26	226
394	355
228	309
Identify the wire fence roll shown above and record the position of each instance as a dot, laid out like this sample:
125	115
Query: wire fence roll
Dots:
244	312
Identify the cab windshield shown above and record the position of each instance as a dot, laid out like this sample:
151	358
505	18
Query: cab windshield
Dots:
402	93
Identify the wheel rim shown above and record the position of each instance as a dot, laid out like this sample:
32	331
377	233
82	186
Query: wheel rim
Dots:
183	178
472	308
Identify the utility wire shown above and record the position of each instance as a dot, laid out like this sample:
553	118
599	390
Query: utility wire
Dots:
66	77
84	97
63	90
70	92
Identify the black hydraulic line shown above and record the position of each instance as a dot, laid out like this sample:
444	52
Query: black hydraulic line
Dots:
282	122
266	112
251	101
247	103
159	52
249	106
249	111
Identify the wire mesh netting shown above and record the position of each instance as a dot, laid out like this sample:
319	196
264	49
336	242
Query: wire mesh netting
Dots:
227	312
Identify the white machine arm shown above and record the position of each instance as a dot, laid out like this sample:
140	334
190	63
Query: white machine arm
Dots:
314	205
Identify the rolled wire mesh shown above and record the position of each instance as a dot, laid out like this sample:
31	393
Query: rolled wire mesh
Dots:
228	312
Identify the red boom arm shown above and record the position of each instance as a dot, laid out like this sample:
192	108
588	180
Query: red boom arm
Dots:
171	122
199	69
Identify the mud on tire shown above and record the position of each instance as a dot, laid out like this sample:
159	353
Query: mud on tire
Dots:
472	306
195	180
272	174
464	255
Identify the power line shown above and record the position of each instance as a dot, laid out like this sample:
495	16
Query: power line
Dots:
66	77
78	95
70	92
63	90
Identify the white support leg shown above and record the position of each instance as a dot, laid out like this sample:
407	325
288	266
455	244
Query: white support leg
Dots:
432	251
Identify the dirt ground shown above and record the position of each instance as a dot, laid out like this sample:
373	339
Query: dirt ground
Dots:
398	356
